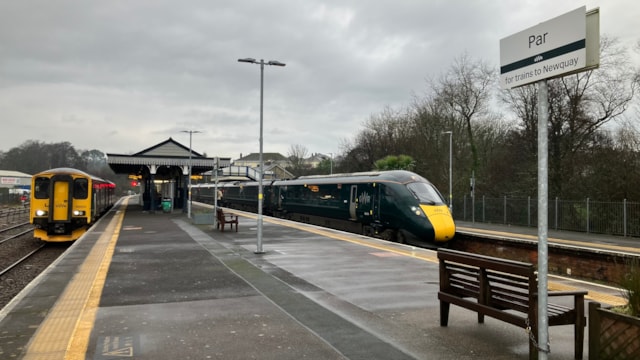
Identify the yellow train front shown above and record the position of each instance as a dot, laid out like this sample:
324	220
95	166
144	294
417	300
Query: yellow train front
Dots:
65	202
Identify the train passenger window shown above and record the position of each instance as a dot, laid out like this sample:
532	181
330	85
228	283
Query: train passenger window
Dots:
426	193
80	188
41	190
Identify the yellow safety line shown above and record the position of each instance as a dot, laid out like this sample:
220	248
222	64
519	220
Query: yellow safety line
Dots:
421	254
64	334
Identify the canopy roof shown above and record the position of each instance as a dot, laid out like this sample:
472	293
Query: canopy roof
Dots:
162	157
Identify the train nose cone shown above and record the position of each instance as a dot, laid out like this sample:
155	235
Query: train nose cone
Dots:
443	226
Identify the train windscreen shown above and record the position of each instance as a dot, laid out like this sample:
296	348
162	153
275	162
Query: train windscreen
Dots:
425	193
41	190
80	188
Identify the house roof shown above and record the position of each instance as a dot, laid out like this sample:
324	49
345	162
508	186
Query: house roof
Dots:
265	156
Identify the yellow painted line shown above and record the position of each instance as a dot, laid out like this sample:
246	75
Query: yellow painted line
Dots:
64	334
592	295
424	254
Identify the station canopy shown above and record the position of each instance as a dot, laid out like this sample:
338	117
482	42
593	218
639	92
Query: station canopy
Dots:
162	159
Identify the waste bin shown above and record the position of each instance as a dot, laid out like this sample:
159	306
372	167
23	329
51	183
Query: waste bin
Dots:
166	205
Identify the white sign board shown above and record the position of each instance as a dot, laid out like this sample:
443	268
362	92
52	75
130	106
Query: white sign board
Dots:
547	50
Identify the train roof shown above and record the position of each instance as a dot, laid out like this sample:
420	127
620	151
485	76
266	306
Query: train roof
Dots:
399	176
66	170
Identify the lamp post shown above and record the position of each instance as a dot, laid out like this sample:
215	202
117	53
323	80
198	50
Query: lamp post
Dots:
191	132
450	169
260	192
331	164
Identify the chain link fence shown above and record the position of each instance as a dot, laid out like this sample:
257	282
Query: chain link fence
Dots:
600	217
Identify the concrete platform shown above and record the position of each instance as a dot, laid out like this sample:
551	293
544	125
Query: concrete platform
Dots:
156	286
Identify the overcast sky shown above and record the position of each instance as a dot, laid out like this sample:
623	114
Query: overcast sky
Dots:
121	76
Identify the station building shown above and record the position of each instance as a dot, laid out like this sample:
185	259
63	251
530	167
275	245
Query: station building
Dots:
162	172
13	184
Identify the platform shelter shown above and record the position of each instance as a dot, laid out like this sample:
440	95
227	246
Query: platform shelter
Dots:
163	172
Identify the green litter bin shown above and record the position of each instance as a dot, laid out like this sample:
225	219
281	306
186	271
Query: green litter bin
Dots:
166	205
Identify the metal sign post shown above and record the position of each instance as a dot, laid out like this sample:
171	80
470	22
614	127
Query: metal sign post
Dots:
543	221
564	45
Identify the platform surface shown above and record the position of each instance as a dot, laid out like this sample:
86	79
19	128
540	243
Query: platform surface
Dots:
162	288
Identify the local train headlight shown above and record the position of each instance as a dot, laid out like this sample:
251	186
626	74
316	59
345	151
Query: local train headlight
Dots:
416	210
41	213
78	213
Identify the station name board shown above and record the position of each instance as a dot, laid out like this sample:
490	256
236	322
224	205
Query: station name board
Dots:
550	49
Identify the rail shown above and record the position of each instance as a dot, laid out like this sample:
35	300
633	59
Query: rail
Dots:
599	217
21	260
13	228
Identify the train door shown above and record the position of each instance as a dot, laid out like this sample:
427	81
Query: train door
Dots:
353	202
375	201
60	198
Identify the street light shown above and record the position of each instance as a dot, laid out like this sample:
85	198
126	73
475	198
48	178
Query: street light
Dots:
191	132
450	169
260	194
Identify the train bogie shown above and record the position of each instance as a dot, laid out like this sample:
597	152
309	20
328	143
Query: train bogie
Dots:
64	202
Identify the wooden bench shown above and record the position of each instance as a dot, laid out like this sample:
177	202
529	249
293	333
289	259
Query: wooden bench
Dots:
506	290
226	218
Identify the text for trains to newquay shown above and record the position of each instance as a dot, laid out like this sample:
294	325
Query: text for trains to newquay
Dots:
545	69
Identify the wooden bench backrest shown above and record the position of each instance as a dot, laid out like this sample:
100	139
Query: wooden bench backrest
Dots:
497	283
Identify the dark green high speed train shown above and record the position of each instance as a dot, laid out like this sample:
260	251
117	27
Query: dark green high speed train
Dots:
394	205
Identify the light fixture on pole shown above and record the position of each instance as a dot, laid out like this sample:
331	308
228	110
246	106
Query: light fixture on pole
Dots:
450	169
191	132
260	192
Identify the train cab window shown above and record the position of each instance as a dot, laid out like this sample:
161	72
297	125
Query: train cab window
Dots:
41	190
425	193
387	190
80	188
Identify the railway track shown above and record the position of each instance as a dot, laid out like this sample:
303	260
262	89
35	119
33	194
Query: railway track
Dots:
23	259
11	232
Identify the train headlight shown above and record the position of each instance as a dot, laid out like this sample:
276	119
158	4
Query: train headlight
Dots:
416	210
78	212
41	213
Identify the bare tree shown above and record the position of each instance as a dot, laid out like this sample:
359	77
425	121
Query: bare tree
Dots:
297	155
385	133
579	106
466	89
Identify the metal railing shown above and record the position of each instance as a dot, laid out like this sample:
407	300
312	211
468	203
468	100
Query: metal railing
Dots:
12	215
600	217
